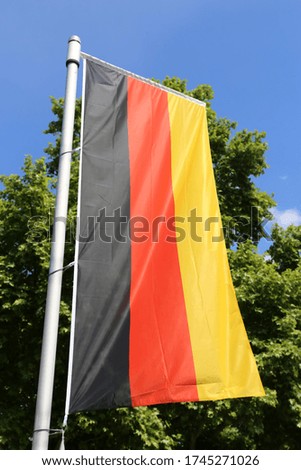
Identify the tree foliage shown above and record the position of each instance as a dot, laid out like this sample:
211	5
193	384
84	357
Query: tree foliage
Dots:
286	249
268	288
25	206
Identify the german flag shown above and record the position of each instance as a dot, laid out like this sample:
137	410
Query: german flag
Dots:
156	318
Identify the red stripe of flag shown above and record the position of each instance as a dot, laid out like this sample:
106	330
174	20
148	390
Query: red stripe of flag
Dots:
161	362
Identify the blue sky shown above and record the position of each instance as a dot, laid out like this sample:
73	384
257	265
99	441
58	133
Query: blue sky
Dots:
248	50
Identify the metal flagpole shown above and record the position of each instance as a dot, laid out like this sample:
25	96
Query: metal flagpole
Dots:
48	354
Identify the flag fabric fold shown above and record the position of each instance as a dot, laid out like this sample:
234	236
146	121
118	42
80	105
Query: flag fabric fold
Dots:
156	316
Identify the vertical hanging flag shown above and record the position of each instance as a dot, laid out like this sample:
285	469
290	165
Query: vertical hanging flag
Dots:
155	315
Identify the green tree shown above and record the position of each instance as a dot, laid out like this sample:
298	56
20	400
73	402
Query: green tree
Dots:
268	290
25	208
286	248
270	303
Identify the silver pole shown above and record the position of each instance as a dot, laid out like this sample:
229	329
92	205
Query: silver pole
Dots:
48	354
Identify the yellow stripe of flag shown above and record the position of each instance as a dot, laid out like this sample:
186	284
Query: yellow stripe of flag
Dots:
224	363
